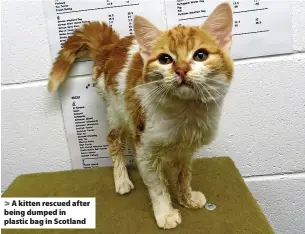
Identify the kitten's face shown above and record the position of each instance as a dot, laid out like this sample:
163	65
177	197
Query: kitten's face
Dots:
189	65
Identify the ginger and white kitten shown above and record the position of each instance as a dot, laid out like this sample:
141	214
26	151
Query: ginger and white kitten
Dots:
164	92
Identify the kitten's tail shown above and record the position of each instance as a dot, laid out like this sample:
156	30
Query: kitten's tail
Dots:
85	42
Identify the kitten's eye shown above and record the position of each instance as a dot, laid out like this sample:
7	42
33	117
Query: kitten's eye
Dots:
165	59
200	55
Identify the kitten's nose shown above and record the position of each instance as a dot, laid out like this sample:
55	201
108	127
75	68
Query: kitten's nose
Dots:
181	73
181	69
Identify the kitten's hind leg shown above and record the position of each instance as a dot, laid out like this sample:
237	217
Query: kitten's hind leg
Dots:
116	142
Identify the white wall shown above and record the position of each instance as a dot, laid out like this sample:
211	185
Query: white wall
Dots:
263	125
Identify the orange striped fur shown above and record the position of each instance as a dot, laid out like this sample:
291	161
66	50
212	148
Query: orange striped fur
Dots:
85	42
164	92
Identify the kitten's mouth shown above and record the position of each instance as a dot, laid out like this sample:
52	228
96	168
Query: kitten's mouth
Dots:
184	90
184	82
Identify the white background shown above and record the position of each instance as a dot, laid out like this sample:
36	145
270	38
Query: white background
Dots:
262	128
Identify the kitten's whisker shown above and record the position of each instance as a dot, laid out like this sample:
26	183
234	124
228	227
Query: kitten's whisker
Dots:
207	116
163	95
219	95
146	84
201	80
151	95
211	96
205	102
201	93
158	90
217	92
216	82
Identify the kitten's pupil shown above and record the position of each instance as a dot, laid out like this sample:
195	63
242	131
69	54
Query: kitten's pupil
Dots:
200	55
165	59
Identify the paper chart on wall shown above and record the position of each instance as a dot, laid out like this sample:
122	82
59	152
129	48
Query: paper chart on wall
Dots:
260	28
86	124
64	16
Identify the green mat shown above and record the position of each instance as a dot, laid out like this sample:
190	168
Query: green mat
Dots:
236	210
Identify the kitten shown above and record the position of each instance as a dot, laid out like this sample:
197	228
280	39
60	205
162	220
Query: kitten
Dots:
164	91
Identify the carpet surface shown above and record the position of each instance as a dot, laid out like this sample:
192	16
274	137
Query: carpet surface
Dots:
218	178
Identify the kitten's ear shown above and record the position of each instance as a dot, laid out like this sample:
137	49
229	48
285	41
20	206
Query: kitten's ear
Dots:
145	33
219	24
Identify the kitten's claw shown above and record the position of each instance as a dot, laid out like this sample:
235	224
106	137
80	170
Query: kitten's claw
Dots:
123	186
197	200
169	220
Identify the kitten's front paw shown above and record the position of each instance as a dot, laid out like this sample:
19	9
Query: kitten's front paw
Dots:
168	220
195	201
123	186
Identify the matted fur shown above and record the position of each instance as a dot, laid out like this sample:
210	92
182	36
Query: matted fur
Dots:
167	110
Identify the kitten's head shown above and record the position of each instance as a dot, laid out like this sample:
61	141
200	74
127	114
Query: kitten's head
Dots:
191	63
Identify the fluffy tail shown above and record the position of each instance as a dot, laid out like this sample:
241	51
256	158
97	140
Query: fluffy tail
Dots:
86	42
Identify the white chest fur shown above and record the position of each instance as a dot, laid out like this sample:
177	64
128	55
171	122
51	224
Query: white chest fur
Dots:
181	124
